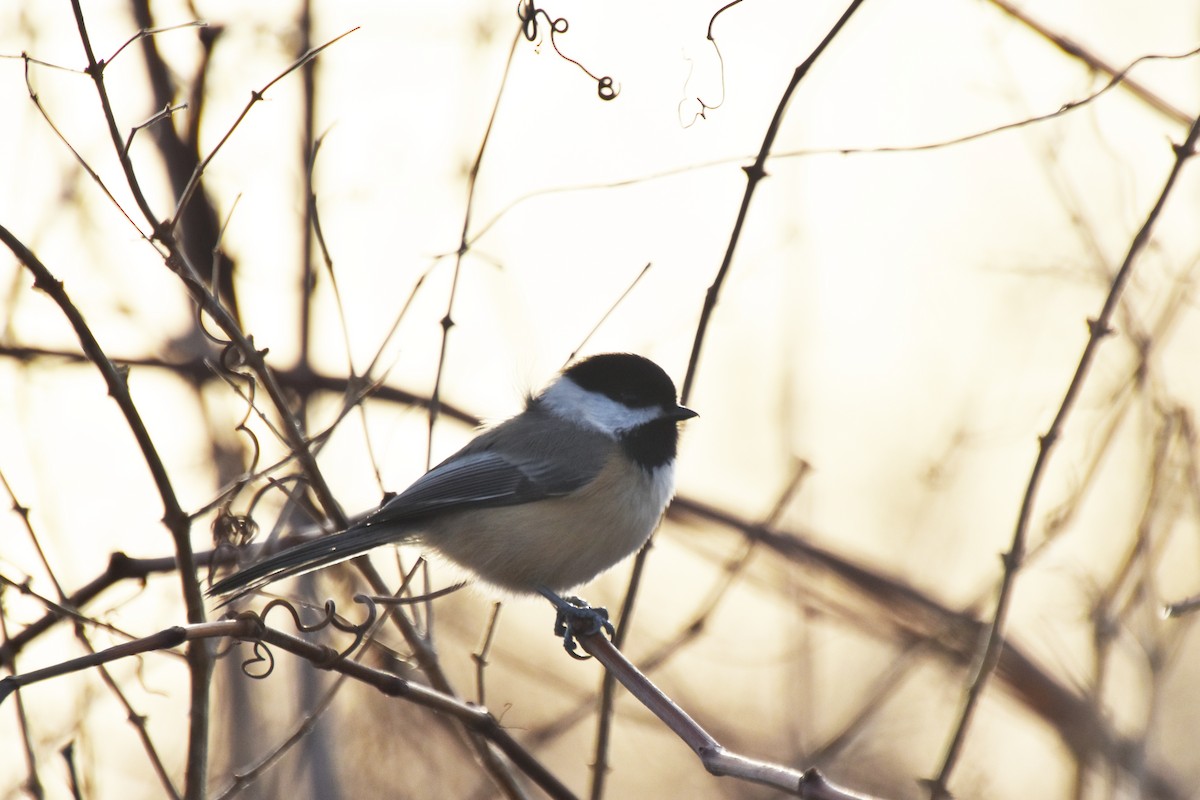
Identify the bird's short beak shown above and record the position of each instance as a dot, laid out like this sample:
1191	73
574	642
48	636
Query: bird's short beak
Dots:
680	413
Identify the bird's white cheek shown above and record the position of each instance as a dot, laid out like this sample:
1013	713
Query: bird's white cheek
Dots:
572	402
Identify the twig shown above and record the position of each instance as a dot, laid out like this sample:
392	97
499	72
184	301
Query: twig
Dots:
198	658
481	657
365	633
33	783
955	635
255	97
616	303
1119	78
1181	608
715	758
180	149
79	159
146	33
120	567
249	626
138	721
313	213
198	370
447	321
908	614
95	70
174	518
425	653
1093	61
308	152
427	658
754	173
1098	329
244	778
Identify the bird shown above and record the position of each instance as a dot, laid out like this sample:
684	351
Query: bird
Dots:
539	504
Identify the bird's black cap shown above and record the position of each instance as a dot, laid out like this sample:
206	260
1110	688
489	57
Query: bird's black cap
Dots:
637	382
625	377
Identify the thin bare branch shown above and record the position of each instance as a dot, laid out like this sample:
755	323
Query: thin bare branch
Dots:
138	721
174	518
1098	329
754	173
249	626
1094	62
448	319
715	758
95	70
255	97
146	32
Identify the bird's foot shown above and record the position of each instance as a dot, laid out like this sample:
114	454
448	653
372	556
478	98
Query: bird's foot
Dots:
576	617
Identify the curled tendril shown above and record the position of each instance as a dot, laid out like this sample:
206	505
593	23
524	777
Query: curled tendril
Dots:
232	359
236	530
262	655
281	485
704	106
330	619
362	628
528	13
231	366
396	600
604	88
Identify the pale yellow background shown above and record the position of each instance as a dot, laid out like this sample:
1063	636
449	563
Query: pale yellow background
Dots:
906	323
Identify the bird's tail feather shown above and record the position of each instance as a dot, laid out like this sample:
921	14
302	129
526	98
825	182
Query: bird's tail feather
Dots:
305	557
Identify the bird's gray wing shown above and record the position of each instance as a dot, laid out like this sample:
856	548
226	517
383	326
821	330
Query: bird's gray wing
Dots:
543	457
530	457
483	479
469	479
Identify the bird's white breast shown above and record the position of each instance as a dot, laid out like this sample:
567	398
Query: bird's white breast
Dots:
560	542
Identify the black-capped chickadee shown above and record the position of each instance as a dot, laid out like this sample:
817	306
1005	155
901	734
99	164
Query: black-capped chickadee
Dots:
541	503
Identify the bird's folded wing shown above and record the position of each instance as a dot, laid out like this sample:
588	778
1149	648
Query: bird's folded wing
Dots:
468	480
480	480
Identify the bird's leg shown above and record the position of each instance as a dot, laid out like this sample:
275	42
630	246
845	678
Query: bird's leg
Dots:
576	616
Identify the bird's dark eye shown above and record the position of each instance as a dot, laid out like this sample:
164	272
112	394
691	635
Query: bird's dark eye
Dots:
631	399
